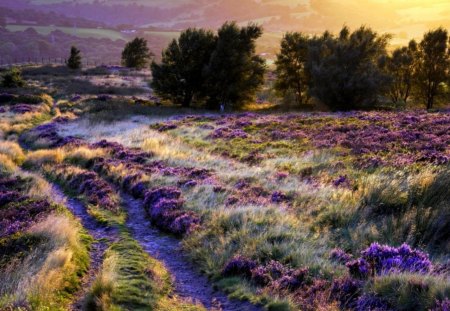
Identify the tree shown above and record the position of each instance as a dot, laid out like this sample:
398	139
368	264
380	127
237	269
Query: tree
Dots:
432	67
180	77
346	71
74	61
13	78
400	66
136	54
234	71
292	76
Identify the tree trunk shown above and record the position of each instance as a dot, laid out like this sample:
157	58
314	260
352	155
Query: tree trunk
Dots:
430	102
187	100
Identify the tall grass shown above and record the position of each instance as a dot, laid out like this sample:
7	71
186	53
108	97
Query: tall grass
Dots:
39	158
48	275
13	151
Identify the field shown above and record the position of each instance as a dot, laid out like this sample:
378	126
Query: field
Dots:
119	202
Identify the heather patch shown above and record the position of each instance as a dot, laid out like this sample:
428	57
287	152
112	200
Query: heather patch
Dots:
85	183
394	138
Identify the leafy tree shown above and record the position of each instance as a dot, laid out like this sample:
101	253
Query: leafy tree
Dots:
292	76
74	61
234	71
433	62
136	54
180	76
346	71
13	78
400	66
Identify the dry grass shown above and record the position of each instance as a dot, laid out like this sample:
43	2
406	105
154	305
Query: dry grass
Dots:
13	151
81	155
7	166
49	269
39	158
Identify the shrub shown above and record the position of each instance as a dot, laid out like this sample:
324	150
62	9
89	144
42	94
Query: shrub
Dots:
13	78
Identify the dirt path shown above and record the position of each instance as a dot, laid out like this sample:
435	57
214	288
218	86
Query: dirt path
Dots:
103	237
189	283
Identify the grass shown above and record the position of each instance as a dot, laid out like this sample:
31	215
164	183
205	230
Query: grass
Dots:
13	151
39	158
410	291
49	273
129	279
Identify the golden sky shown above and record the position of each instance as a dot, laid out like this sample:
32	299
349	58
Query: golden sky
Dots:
402	18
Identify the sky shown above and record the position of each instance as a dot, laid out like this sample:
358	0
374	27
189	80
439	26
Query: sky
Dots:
404	19
400	16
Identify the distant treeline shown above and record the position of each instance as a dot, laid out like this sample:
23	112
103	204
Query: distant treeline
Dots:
350	70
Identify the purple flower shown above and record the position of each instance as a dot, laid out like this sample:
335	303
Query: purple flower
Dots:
155	195
385	259
358	268
279	197
371	303
239	265
340	256
346	291
341	181
443	305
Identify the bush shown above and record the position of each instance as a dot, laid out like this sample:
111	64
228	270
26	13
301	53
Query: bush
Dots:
13	78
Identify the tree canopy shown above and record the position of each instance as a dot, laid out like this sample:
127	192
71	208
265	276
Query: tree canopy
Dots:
346	71
180	76
234	71
74	61
220	70
291	72
136	54
432	65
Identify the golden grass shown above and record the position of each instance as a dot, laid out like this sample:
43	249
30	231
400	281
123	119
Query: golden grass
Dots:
49	269
80	155
39	158
13	151
7	166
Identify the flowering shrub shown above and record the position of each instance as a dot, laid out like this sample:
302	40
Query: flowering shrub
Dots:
340	256
87	183
164	207
239	265
385	259
373	138
371	303
358	268
122	153
20	214
23	108
443	305
347	291
48	132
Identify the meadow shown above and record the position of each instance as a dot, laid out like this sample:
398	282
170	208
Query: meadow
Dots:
120	202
